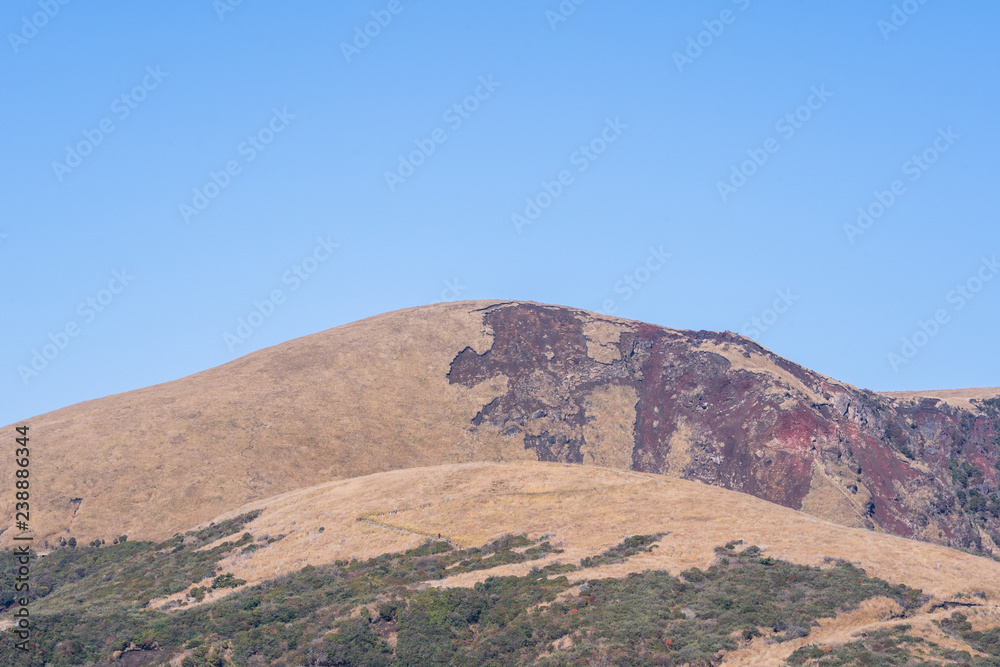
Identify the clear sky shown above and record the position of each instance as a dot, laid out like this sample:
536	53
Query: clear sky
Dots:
168	165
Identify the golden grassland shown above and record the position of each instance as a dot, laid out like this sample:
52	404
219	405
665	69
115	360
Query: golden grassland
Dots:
364	397
361	398
960	398
872	614
585	510
355	444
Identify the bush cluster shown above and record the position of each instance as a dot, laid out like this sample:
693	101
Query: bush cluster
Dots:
630	546
894	646
320	615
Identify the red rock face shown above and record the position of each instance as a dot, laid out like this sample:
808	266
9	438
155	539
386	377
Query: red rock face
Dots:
761	428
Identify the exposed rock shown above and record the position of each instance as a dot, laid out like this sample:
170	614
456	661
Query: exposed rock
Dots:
719	408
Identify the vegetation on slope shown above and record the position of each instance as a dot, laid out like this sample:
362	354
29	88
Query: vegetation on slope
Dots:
127	574
379	611
895	646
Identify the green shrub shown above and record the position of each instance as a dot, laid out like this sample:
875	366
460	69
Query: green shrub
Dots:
389	610
986	641
619	553
894	646
227	580
645	618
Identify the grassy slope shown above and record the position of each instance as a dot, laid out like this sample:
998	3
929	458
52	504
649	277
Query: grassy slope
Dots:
958	397
154	461
582	511
358	399
586	510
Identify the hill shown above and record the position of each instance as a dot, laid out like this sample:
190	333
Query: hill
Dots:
584	510
507	381
520	563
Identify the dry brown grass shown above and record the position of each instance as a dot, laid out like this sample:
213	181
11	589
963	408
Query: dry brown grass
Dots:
873	614
585	510
602	338
759	363
365	397
827	500
360	421
958	397
361	398
608	432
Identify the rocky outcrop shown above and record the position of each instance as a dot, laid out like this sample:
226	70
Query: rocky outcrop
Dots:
718	408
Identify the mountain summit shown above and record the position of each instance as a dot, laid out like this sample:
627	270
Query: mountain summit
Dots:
507	380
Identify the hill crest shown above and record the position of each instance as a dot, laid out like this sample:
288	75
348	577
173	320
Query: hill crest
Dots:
507	381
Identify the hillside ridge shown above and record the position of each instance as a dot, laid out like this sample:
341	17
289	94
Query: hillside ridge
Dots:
507	381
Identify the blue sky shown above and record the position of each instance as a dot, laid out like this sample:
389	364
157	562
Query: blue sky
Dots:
695	165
